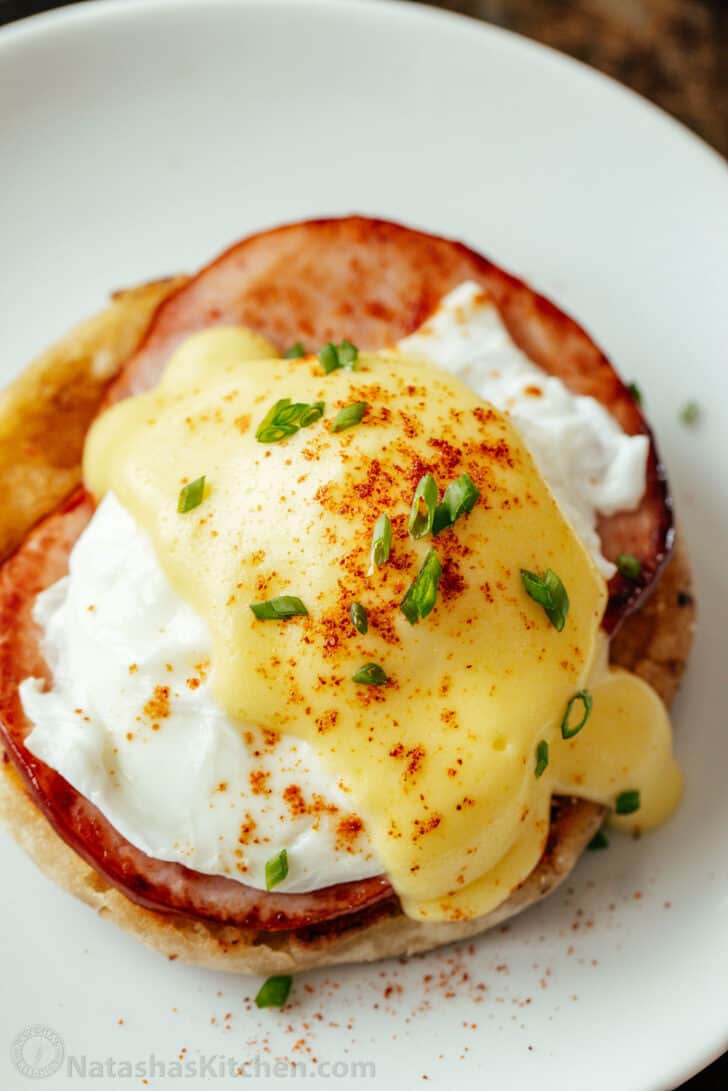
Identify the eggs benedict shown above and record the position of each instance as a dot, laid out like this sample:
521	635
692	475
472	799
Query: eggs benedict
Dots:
317	665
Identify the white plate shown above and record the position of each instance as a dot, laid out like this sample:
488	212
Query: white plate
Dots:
138	139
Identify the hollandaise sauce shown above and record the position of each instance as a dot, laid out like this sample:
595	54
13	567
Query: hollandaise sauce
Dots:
385	574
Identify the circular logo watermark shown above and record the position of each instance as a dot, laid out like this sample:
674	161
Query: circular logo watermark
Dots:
37	1051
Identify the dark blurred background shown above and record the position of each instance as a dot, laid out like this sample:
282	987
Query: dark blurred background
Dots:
674	52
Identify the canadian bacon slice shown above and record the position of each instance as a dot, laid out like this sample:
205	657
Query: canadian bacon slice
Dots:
374	282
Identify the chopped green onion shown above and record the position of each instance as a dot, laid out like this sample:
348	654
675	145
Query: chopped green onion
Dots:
598	841
371	674
629	566
329	358
690	413
348	354
270	430
460	498
278	609
311	413
542	758
628	802
381	541
635	392
273	993
285	419
548	591
568	731
332	357
276	869
274	434
422	592
295	352
424	502
359	618
349	416
191	495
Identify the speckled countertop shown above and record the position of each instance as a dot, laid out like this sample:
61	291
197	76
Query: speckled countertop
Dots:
674	52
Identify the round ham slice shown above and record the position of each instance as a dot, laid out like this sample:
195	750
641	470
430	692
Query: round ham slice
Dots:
372	282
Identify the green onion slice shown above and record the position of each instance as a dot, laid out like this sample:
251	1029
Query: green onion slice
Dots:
276	869
371	674
628	802
349	416
311	413
422	592
460	498
285	419
690	413
279	609
274	434
273	993
568	730
548	591
295	352
329	358
332	357
381	541
359	618
424	502
635	392
598	841
270	424
348	354
542	758
191	495
628	566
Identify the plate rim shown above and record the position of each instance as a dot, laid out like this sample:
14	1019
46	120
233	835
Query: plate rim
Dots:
89	11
